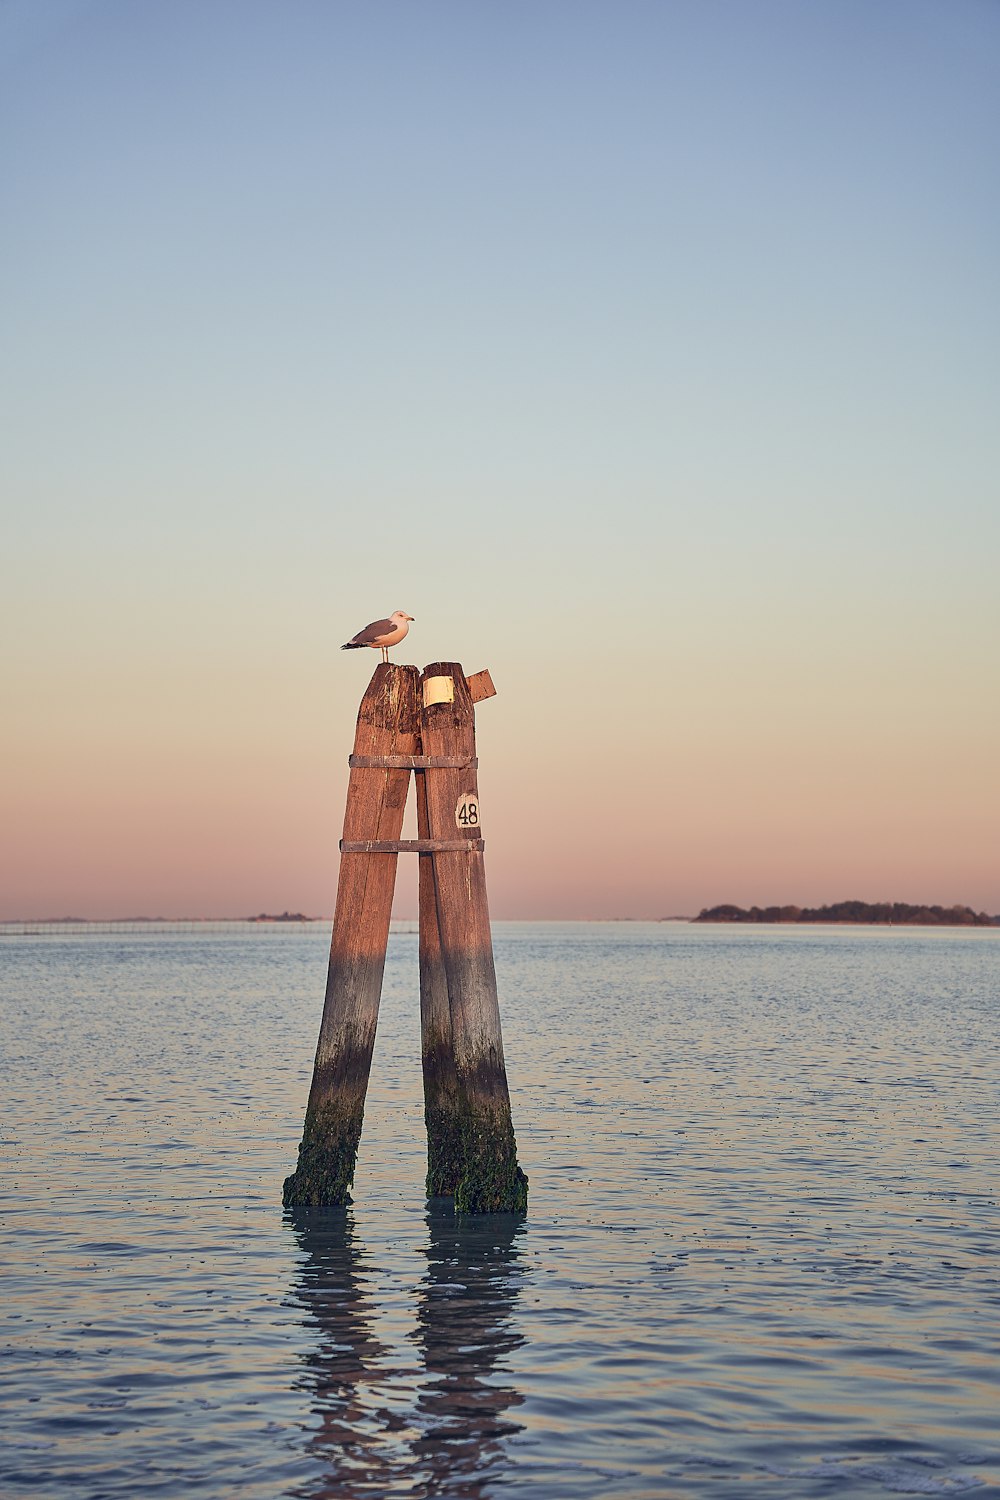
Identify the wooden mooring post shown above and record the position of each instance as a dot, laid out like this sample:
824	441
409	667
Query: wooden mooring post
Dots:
424	723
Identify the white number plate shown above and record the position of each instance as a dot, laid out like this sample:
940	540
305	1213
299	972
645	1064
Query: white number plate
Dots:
467	811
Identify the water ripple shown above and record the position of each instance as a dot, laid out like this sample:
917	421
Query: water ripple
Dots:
763	1253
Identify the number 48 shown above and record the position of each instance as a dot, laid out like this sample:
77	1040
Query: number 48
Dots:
468	813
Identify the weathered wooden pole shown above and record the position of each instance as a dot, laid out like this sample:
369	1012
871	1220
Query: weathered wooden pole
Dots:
475	1114
441	1114
387	726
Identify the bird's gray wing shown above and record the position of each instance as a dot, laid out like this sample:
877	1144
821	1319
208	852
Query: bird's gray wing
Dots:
372	632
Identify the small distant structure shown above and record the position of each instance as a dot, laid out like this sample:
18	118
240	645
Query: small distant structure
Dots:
424	724
285	916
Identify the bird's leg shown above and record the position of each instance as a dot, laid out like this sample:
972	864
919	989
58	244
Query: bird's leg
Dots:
385	653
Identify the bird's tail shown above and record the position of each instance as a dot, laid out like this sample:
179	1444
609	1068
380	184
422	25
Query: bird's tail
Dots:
351	646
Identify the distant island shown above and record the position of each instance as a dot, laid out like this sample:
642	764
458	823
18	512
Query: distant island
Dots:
263	916
284	916
887	913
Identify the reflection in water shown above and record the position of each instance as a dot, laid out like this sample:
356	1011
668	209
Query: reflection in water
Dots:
465	1331
372	1437
333	1289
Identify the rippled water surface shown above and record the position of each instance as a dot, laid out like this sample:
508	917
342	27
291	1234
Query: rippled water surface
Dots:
761	1254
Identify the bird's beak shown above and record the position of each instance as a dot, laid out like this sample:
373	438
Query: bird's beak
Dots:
409	617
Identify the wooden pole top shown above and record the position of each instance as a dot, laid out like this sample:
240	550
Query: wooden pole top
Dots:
439	681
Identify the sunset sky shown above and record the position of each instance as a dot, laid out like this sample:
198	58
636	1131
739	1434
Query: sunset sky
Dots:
647	353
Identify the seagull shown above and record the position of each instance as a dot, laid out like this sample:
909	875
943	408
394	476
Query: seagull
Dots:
381	633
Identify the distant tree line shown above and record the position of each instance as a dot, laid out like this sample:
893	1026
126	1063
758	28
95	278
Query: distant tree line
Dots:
892	913
282	916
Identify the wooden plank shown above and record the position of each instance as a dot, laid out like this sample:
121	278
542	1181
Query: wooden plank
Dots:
413	762
491	1180
405	846
376	797
481	686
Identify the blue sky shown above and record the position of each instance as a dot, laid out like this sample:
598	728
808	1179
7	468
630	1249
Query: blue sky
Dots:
646	337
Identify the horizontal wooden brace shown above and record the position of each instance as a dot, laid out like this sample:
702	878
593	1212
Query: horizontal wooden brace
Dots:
409	846
414	762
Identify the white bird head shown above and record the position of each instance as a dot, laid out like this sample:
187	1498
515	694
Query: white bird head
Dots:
400	616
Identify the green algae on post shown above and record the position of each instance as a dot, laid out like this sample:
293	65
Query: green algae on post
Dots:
491	1181
329	1149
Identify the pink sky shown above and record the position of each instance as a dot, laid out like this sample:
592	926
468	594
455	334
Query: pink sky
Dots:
645	791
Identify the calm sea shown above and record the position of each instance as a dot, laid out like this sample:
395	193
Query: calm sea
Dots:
761	1254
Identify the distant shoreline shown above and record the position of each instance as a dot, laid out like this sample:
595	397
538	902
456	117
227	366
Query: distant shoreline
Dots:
878	914
950	918
286	916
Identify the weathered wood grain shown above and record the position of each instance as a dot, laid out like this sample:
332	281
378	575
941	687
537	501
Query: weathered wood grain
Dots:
491	1180
441	1113
387	725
